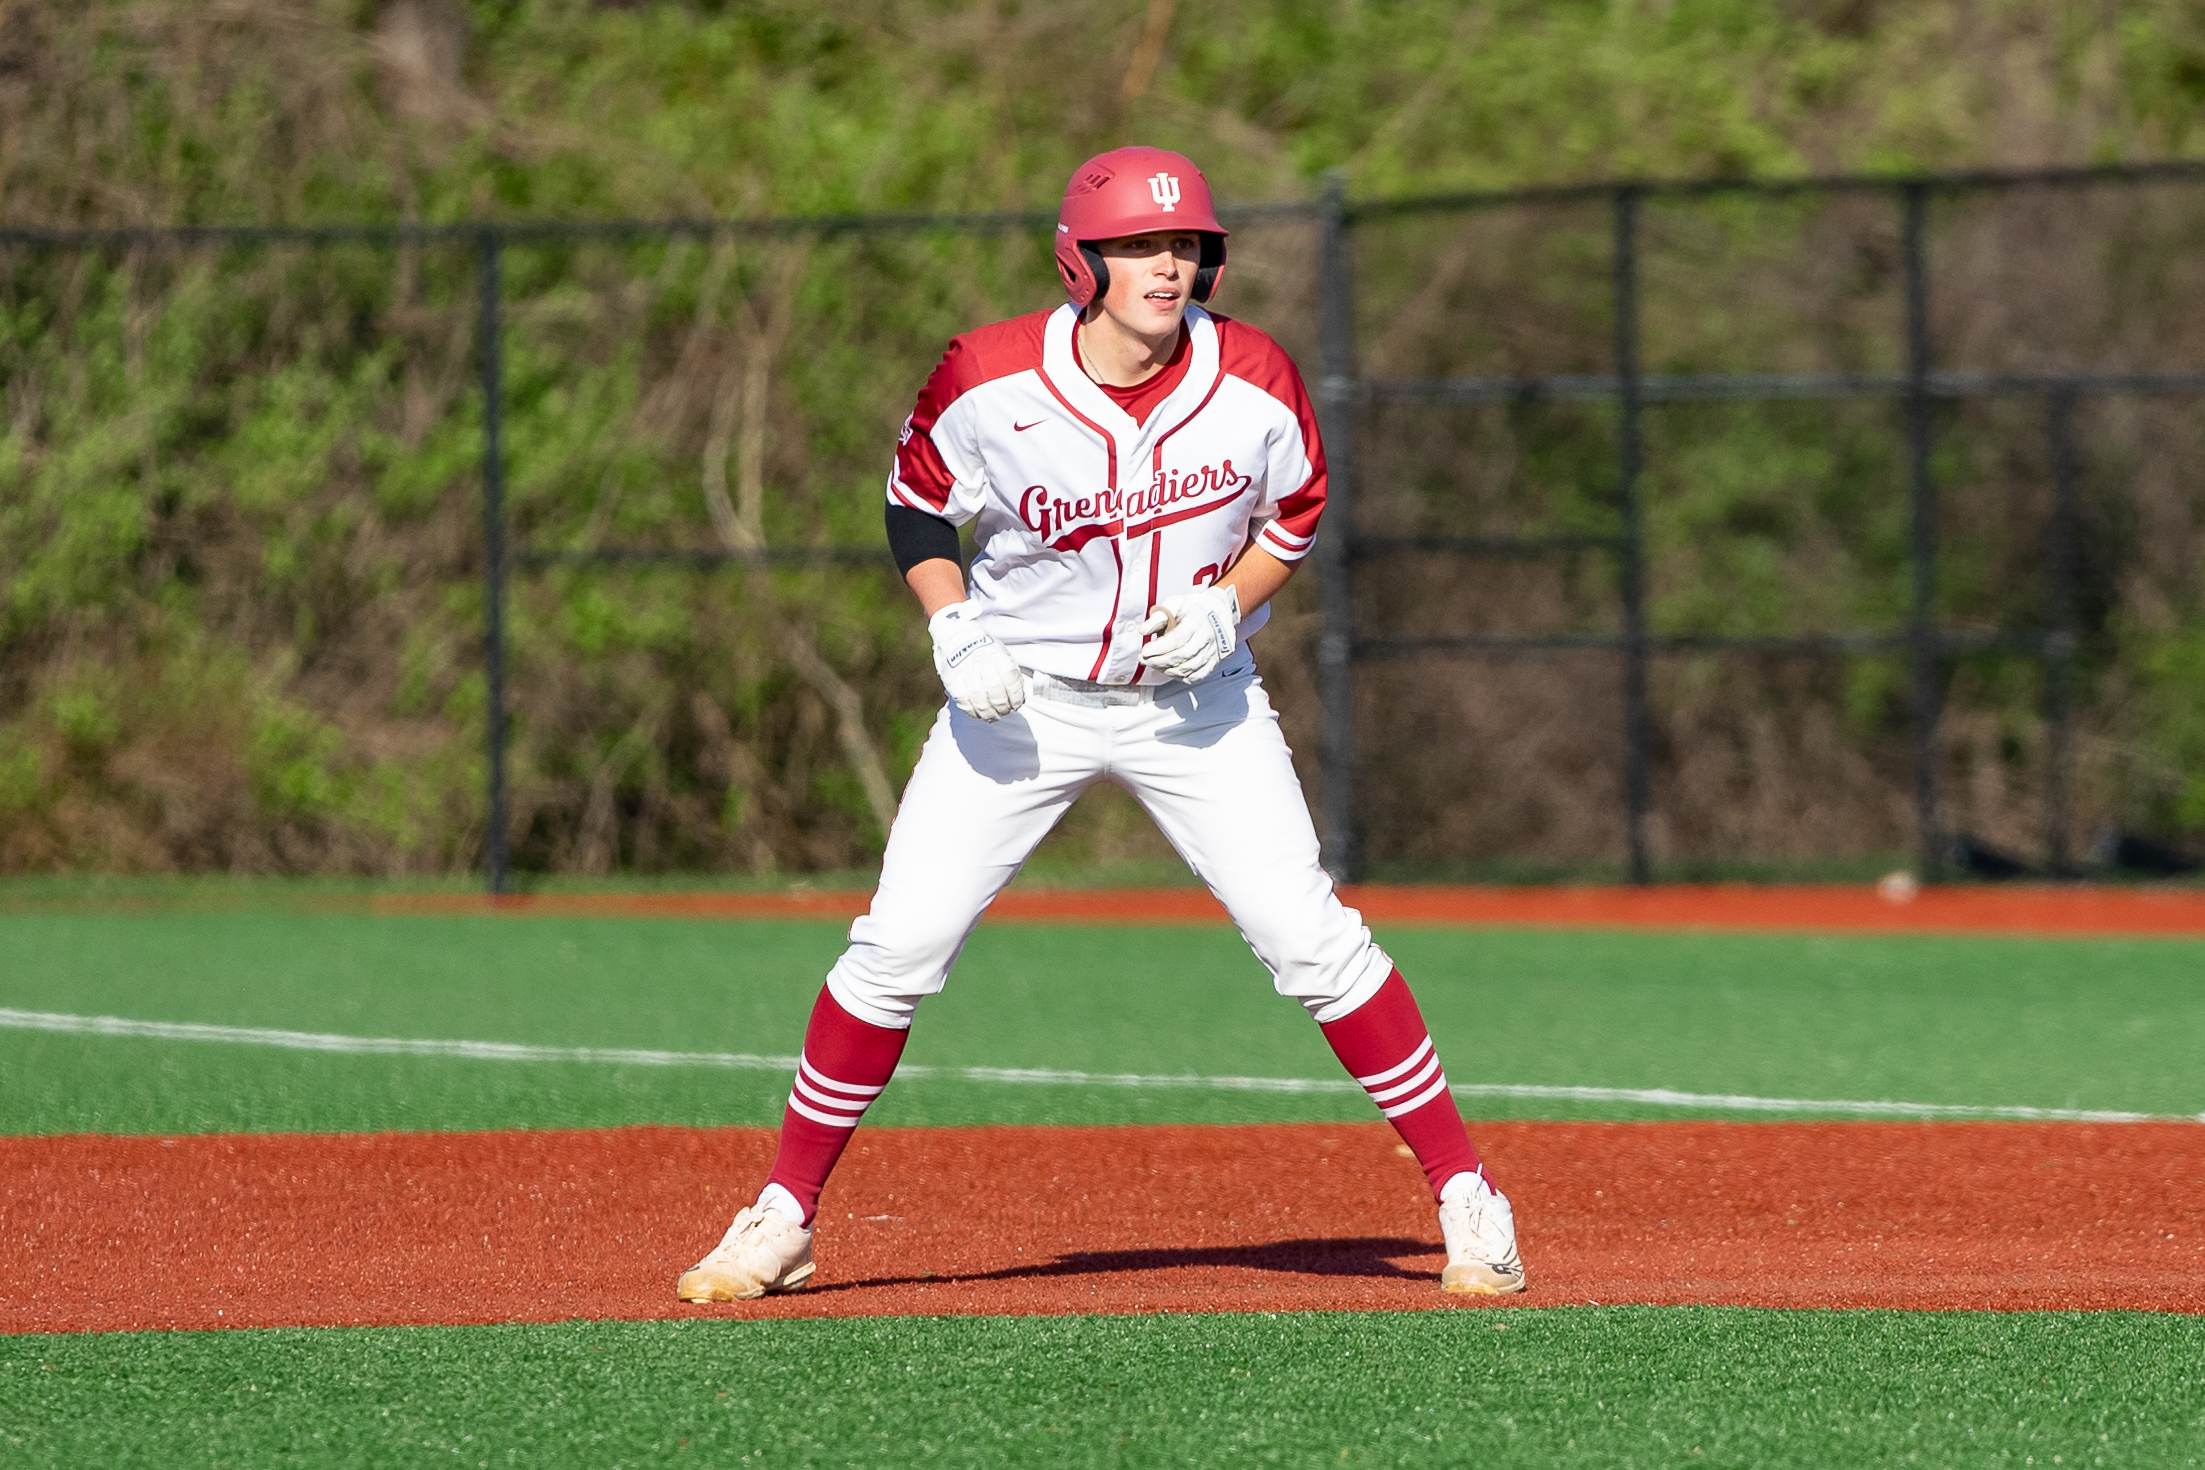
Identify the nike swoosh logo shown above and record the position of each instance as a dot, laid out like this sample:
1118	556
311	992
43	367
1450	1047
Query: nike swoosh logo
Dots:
1022	428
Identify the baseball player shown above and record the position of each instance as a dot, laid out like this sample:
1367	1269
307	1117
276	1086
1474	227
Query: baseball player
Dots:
1142	475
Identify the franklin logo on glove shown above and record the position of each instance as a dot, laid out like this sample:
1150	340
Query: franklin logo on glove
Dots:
1188	636
977	672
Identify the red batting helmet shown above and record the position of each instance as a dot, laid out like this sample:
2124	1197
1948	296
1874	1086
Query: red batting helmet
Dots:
1130	191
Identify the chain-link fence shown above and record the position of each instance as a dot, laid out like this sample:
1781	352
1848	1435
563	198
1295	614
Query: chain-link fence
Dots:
1672	524
1795	457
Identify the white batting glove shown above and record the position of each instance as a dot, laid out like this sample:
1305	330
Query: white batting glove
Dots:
978	672
1188	636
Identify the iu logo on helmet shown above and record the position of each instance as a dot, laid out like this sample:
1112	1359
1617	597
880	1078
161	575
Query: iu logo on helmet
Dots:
1164	189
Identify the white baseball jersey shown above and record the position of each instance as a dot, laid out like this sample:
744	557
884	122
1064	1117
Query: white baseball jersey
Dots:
1087	519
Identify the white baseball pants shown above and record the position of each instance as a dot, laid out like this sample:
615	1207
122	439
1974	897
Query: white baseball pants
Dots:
1205	760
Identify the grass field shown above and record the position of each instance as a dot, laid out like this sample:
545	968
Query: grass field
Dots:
2110	1024
1959	1022
1592	1386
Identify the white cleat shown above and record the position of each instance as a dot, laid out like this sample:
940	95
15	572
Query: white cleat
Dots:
761	1252
1480	1230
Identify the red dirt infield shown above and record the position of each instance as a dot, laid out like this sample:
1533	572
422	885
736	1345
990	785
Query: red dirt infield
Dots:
1831	908
107	1233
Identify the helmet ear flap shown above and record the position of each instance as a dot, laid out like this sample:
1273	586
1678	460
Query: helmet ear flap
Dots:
1099	269
1211	265
1072	283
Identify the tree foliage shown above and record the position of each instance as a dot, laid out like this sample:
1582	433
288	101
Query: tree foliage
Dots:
239	545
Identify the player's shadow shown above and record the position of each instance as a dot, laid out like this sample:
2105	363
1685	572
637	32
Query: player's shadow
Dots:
1207	712
1004	751
1368	1256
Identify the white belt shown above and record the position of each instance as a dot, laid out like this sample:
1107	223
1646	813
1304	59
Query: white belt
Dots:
1086	691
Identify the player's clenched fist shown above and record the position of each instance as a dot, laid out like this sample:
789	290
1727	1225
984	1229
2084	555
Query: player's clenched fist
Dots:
1188	636
979	673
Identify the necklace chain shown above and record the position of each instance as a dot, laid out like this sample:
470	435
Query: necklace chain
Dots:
1087	359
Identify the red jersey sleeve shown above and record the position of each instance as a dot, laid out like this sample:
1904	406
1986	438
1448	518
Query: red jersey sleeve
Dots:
938	449
1294	495
921	478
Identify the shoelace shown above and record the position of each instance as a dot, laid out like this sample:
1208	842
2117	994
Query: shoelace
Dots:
1493	1242
1484	1239
745	1231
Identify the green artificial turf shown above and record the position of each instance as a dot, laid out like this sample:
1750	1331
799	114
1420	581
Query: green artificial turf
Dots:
1622	1386
1961	1021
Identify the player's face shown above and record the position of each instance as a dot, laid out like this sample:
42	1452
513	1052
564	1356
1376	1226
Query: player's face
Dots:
1150	276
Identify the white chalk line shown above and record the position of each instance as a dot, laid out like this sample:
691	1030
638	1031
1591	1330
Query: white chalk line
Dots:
506	1051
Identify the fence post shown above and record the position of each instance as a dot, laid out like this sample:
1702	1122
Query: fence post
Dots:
2059	647
1336	407
497	859
1631	553
1923	640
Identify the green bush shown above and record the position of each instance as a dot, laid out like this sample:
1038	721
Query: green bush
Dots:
239	526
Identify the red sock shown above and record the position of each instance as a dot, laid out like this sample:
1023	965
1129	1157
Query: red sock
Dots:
845	1065
1384	1046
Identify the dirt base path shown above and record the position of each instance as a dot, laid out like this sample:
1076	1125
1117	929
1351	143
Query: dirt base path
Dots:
102	1232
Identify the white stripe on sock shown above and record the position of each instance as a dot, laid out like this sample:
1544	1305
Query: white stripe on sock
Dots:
1380	1079
1422	1075
832	1120
1418	1101
852	1108
804	1065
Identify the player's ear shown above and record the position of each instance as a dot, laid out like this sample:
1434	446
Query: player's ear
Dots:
1099	268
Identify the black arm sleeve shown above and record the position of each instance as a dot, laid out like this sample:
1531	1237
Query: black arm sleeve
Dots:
914	536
